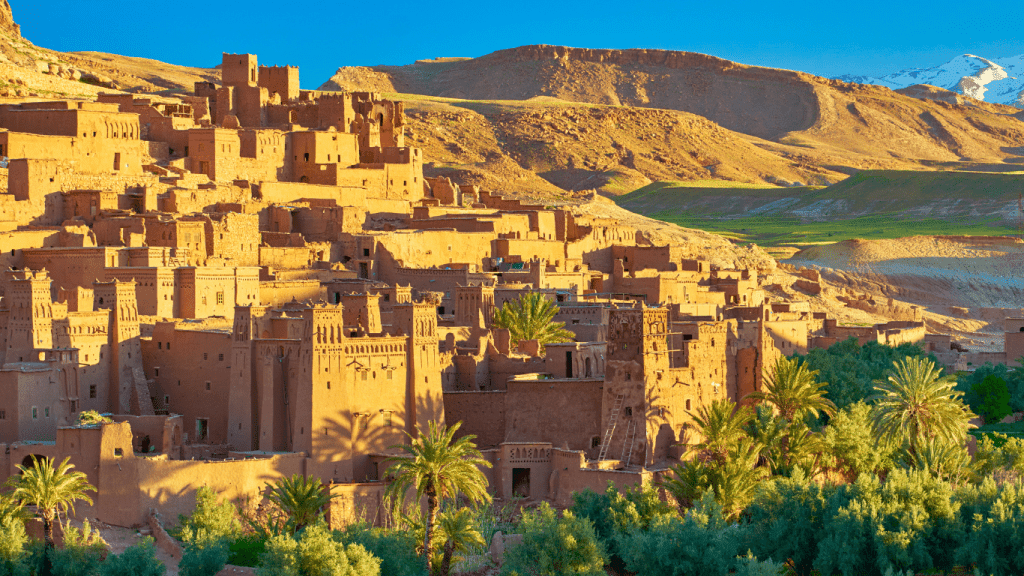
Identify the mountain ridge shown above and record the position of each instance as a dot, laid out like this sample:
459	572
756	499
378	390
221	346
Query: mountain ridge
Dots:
997	80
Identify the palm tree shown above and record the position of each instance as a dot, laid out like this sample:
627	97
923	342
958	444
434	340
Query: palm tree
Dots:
737	478
439	467
720	425
52	490
530	318
793	390
688	482
301	498
917	404
459	532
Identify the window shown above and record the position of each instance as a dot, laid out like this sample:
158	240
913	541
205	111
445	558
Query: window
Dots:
205	356
363	376
220	297
159	345
46	412
387	419
688	404
92	390
595	442
202	427
167	401
3	415
220	357
156	371
364	421
328	384
627	411
366	251
118	452
35	413
168	344
391	374
207	385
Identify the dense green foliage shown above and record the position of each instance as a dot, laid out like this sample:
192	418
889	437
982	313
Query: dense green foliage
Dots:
993	398
395	548
137	560
1014	380
81	554
851	370
217	520
316	553
554	545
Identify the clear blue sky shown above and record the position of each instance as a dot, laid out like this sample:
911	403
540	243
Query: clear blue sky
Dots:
826	38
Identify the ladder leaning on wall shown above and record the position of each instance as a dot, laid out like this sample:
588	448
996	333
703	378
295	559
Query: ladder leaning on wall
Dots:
613	419
631	440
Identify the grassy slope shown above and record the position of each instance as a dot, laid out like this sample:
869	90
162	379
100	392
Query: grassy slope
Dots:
871	204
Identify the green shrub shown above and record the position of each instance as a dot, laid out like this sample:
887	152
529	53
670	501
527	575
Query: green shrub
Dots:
911	521
219	520
994	543
81	554
137	560
395	548
554	545
749	565
701	544
316	553
786	520
13	539
204	558
850	444
994	398
999	452
246	550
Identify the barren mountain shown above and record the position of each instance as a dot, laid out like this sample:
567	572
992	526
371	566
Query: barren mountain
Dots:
827	122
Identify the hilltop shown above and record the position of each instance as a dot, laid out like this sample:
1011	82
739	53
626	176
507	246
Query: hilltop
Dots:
804	120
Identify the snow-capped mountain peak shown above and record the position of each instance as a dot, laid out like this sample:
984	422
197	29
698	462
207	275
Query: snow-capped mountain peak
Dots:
1000	81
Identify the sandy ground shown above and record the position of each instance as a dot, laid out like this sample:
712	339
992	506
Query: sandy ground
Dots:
119	539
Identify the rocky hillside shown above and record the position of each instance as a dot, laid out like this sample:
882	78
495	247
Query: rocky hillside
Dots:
804	119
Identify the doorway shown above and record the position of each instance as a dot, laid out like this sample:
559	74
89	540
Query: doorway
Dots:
521	482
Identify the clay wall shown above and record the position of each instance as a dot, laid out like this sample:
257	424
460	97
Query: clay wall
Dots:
28	401
190	374
588	323
282	80
535	411
481	413
280	292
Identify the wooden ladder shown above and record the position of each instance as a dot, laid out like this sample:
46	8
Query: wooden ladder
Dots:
613	419
630	429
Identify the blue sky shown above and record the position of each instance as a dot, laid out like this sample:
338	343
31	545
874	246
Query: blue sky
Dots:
825	38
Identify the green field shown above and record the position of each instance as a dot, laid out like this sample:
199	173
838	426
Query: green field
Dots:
871	205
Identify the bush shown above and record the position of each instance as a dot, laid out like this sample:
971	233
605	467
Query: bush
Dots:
910	522
396	549
850	444
554	546
994	398
82	552
701	544
1014	385
203	558
316	553
219	520
246	550
12	544
995	532
137	560
999	453
750	566
786	521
